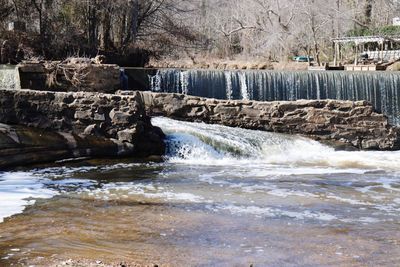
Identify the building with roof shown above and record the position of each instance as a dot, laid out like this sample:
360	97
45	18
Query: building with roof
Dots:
370	52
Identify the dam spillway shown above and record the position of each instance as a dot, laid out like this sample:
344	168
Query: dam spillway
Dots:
382	89
9	77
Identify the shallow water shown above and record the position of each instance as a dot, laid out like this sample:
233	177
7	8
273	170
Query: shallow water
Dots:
223	197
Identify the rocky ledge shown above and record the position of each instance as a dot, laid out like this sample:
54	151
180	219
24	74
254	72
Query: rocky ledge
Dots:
42	126
347	123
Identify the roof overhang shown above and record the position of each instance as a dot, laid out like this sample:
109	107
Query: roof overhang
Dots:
367	39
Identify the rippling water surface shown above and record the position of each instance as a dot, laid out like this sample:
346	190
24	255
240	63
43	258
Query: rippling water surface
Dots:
223	197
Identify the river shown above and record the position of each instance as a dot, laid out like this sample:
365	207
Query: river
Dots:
222	197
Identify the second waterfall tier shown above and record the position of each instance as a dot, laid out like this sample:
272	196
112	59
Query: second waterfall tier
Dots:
382	89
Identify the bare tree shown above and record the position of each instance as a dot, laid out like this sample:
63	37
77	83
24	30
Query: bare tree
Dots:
270	29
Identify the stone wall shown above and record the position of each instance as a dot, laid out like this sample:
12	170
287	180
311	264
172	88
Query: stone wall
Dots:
43	126
67	76
348	123
79	124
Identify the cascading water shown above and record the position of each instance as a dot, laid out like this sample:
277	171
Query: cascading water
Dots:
155	82
382	89
184	82
244	92
228	80
204	144
9	77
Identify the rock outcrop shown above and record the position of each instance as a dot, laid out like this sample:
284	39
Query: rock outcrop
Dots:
21	145
56	125
349	123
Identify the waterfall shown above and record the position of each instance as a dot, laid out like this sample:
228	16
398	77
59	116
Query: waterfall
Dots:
205	144
155	82
228	80
184	82
243	86
382	89
9	77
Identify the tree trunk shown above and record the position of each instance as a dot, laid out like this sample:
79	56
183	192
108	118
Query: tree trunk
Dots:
368	12
135	19
315	39
133	28
105	38
39	8
92	24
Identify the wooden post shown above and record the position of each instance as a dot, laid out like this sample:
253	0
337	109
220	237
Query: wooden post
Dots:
335	55
356	56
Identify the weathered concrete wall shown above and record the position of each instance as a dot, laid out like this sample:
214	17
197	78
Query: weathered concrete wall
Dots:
88	124
344	122
71	77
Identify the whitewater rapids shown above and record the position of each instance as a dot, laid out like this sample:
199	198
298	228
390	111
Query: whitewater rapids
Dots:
203	144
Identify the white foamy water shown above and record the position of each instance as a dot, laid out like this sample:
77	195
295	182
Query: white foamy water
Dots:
230	170
245	192
273	212
115	191
203	144
9	77
19	189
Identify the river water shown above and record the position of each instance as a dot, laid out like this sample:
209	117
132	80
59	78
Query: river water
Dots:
223	197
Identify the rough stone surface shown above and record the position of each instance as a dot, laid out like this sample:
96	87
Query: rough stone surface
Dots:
346	123
21	145
69	76
84	124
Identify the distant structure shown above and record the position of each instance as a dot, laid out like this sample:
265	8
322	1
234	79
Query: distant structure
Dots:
370	52
396	21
